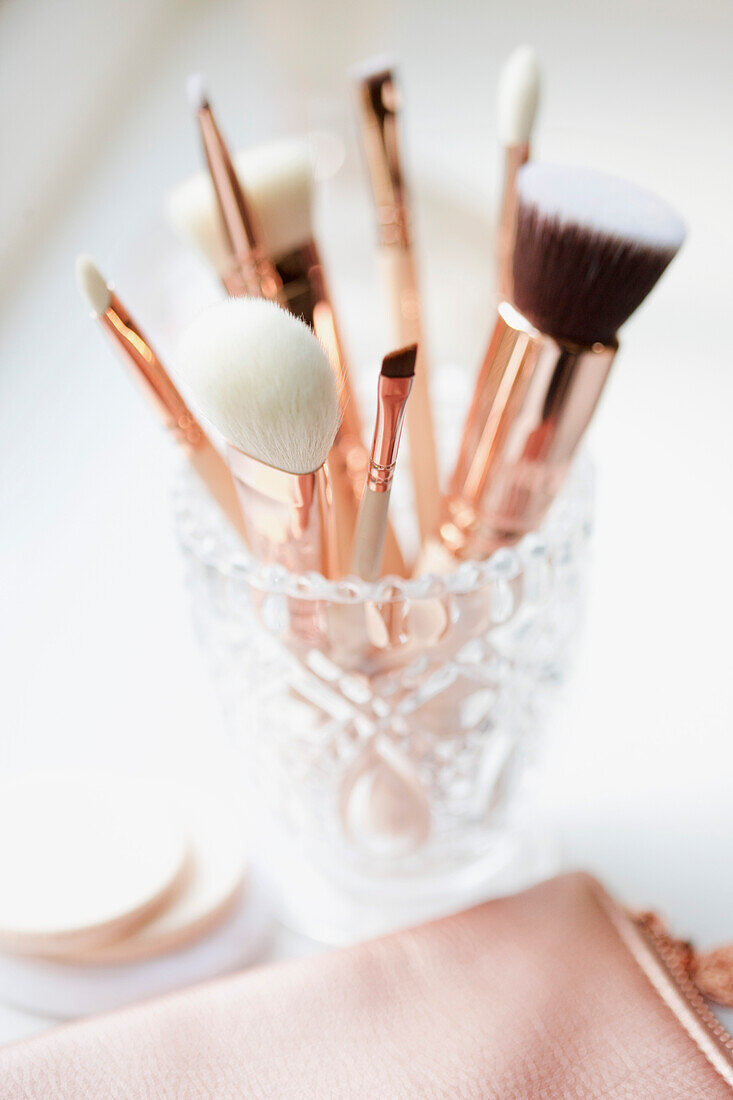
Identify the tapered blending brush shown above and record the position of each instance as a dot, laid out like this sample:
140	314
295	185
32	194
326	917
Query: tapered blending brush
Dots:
261	377
252	219
378	100
519	94
395	383
589	249
203	456
276	181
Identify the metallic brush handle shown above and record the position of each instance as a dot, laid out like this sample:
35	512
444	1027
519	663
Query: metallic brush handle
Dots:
514	157
398	274
173	411
543	396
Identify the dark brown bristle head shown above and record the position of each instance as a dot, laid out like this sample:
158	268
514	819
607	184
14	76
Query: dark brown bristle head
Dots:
589	248
376	81
400	363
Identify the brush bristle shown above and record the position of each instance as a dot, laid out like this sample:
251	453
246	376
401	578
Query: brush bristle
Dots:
400	363
373	66
519	96
264	381
276	178
589	248
196	91
93	285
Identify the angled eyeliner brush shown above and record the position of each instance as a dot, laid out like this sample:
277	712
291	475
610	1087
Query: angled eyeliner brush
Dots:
395	383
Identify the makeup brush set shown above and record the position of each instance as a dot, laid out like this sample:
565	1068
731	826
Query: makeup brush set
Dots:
387	658
577	253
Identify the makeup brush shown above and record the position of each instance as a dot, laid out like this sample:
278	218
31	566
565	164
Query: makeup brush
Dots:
261	377
379	106
263	195
276	181
180	421
260	206
395	383
589	249
519	93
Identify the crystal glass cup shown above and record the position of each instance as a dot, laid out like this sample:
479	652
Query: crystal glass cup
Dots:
385	729
388	732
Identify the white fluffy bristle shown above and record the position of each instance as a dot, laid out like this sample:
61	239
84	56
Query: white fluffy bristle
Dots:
380	63
196	91
519	94
92	285
600	203
264	381
277	180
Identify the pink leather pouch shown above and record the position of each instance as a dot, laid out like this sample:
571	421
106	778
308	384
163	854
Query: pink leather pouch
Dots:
555	993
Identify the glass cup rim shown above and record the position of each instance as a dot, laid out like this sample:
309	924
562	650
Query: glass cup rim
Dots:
215	547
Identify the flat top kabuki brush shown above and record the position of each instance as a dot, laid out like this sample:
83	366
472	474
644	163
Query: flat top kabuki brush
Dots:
178	418
589	249
262	379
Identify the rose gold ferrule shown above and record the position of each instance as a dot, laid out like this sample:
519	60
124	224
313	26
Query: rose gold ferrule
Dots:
288	516
392	394
540	394
511	345
177	417
514	157
251	272
379	109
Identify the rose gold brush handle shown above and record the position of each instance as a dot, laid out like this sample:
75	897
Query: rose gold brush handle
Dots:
347	458
378	99
544	401
511	340
251	271
514	157
203	456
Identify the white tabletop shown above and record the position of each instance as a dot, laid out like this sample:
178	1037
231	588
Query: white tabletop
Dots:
99	661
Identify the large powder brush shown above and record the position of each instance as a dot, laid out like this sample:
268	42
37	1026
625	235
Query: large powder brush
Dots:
589	248
262	379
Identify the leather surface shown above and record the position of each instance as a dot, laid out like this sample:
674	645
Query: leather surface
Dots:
526	997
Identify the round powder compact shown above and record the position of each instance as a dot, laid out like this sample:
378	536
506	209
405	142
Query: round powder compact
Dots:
65	990
85	859
214	885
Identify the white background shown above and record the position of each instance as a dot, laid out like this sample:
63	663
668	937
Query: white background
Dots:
98	660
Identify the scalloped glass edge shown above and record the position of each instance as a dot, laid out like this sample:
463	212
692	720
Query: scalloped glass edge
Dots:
215	546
